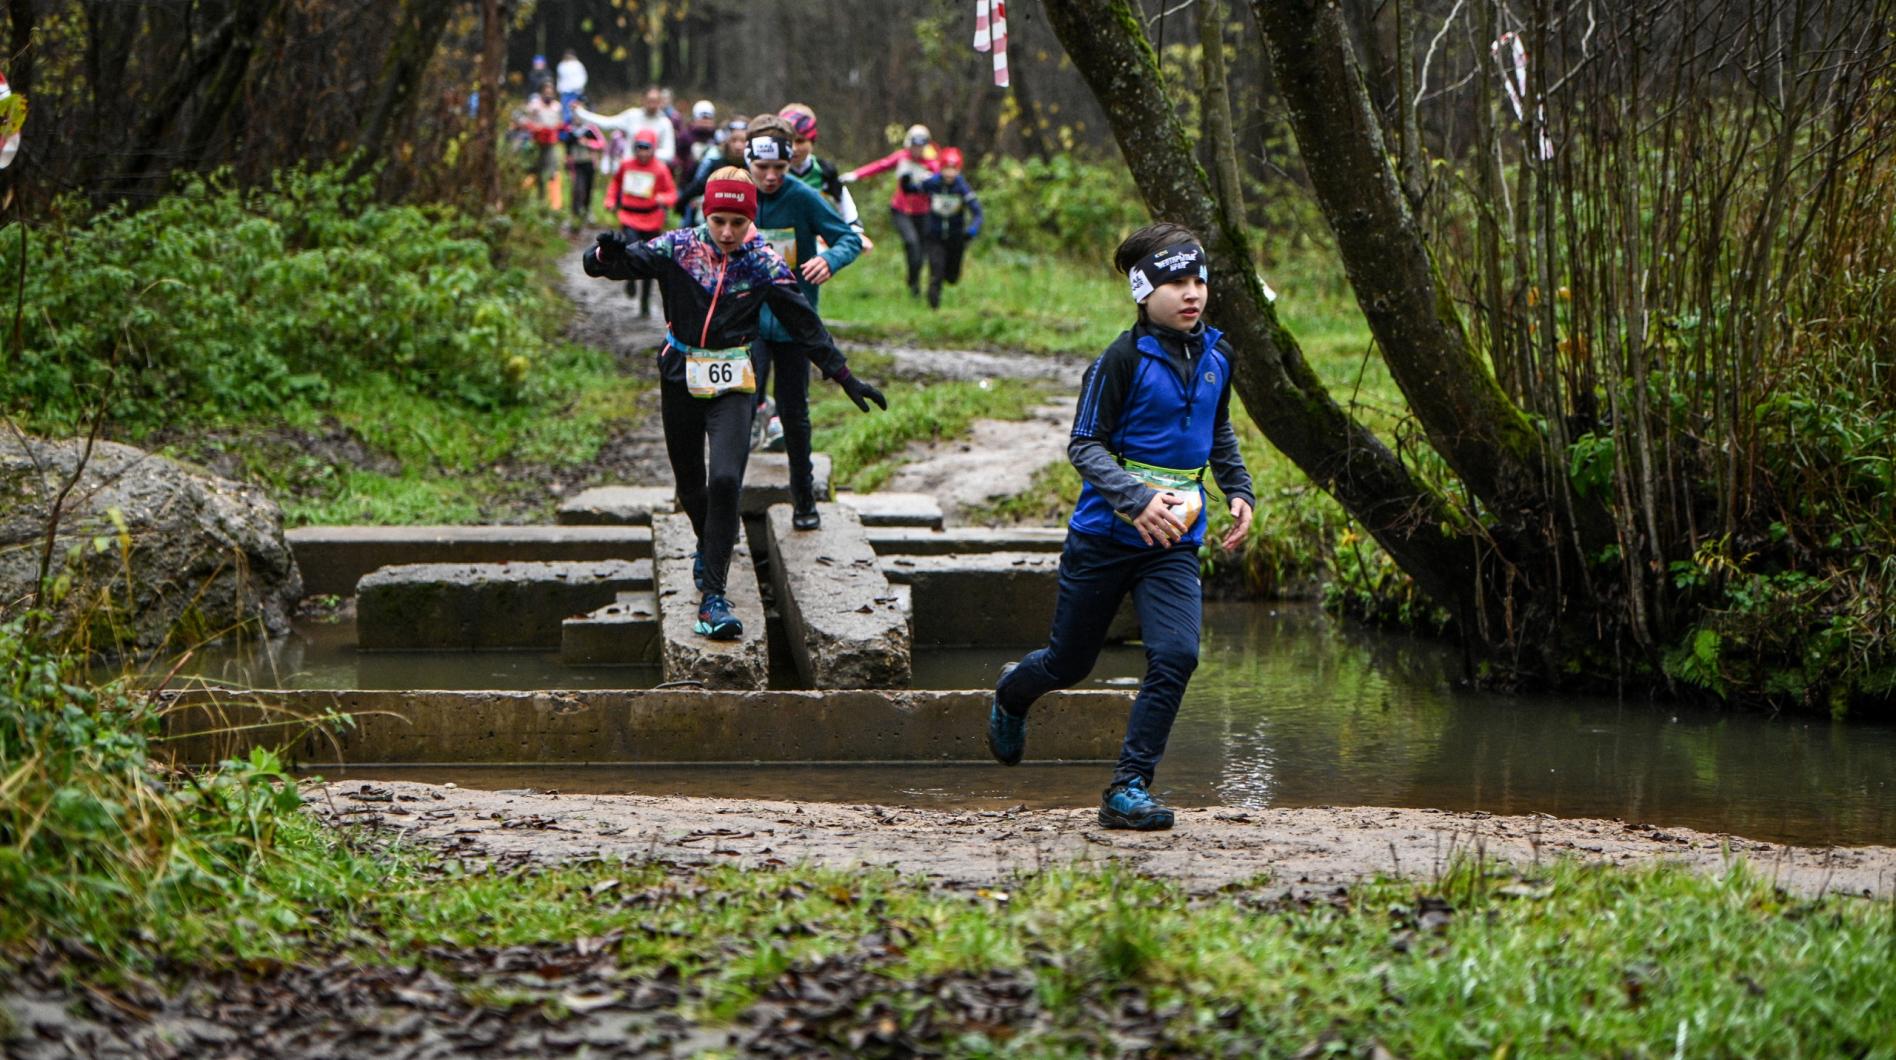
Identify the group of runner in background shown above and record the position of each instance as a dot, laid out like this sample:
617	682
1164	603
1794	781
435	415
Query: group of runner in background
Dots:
652	160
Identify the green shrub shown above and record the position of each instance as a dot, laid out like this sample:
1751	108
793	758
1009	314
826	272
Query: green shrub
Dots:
224	301
1059	205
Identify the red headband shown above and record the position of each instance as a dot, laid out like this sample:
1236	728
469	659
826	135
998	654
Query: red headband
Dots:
731	196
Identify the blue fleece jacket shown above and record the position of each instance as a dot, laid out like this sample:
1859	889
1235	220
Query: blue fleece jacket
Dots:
790	219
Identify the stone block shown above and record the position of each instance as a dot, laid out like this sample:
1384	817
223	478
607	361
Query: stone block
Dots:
617	506
844	623
767	481
988	600
915	541
334	558
684	655
485	606
622	633
656	726
894	509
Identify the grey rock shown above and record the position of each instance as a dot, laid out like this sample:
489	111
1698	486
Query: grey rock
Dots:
845	625
200	556
485	606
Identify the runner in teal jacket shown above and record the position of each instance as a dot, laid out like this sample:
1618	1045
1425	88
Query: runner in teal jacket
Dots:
790	217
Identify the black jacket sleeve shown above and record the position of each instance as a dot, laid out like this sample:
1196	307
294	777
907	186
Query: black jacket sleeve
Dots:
639	262
1102	395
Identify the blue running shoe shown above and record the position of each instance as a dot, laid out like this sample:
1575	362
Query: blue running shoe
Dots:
715	619
1006	733
697	570
1130	805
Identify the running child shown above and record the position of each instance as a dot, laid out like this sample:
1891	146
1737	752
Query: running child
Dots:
954	217
908	209
729	152
639	194
791	217
820	173
1153	418
715	280
585	149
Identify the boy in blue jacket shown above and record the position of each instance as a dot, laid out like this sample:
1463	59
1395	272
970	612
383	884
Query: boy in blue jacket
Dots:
790	217
1153	418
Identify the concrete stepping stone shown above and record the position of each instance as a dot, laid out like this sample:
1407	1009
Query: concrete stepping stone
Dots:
915	541
894	509
485	606
334	558
618	726
987	599
617	506
845	624
684	655
622	633
767	481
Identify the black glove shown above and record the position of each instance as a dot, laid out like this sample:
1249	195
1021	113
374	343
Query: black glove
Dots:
610	251
860	392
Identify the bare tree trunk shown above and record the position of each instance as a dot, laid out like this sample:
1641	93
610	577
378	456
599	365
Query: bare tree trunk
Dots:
487	127
1284	396
1219	137
421	24
1469	420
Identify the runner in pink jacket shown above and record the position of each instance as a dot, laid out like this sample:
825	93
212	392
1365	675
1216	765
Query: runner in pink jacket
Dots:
908	209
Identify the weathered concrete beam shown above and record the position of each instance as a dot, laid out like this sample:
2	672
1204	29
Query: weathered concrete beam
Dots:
894	509
334	558
988	600
767	481
913	541
485	606
617	506
655	726
622	633
844	623
684	655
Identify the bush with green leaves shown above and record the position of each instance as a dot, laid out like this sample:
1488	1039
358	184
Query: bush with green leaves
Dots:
1059	205
97	843
221	301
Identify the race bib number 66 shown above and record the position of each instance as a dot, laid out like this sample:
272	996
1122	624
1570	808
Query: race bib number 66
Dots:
709	373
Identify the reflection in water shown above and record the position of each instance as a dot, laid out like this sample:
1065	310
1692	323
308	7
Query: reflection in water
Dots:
1287	709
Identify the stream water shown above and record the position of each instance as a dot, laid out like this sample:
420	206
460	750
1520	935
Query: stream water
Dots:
1287	709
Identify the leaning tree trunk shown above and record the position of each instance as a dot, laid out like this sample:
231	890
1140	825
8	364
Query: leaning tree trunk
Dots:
487	126
1278	387
419	29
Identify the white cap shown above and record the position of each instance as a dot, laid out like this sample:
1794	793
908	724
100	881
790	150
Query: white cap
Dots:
704	109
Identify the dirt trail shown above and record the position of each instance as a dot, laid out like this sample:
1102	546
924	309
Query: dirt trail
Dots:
1301	849
995	459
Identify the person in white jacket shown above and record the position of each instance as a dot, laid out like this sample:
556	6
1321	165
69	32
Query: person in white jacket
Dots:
650	116
570	78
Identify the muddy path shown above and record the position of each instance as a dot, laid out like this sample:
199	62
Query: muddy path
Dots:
1301	850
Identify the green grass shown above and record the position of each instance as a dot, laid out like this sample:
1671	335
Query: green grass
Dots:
1006	301
861	447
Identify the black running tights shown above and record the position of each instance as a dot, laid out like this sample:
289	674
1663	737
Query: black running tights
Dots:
709	498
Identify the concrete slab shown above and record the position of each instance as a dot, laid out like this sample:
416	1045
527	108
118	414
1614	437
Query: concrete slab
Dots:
630	727
485	606
991	599
334	558
894	509
767	481
684	655
617	506
622	633
843	622
913	541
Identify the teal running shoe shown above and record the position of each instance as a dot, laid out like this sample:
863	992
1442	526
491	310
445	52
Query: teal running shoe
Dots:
1006	733
1130	805
715	619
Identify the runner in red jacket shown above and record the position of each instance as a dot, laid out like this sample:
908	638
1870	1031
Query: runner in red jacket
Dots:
909	210
639	195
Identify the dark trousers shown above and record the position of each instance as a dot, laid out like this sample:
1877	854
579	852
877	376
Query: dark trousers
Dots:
708	495
582	197
944	253
788	362
909	227
1096	573
639	288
